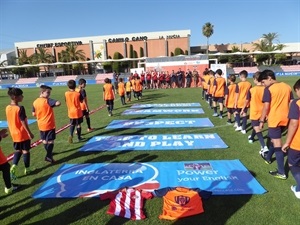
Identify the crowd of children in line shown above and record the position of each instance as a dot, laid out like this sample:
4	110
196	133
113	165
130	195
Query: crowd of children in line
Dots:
164	79
42	109
269	102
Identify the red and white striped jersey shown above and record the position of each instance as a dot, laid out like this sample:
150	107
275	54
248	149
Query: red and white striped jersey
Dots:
127	203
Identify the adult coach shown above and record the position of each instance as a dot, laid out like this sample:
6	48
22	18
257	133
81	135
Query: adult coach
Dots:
180	75
276	99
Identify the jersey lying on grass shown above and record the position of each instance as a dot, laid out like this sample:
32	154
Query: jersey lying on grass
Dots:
127	202
181	202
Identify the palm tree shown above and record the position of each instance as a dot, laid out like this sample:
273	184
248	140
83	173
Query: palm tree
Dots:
266	44
42	56
207	31
23	58
72	54
270	38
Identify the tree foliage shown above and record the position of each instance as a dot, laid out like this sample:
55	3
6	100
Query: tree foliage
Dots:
134	63
70	54
107	66
266	44
116	65
42	56
23	58
178	51
235	59
207	31
141	52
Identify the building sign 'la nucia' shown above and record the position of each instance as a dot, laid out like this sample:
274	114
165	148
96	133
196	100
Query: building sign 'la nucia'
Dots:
173	36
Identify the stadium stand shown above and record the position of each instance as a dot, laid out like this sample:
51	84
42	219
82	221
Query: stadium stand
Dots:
27	80
290	68
8	81
65	78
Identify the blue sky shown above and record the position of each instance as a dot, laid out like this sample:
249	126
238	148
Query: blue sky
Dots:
235	21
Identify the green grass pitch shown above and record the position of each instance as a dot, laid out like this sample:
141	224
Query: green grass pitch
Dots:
277	206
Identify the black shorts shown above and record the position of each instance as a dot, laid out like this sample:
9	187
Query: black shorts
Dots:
77	121
85	112
255	123
109	102
218	99
23	145
294	157
48	135
239	110
276	132
231	110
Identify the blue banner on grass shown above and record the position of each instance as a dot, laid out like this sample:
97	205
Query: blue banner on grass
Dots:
3	123
154	142
165	105
160	123
222	177
156	111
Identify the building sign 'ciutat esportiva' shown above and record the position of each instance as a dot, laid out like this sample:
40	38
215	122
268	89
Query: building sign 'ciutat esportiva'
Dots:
126	39
58	44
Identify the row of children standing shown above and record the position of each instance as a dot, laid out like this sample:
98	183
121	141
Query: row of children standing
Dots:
132	85
77	105
163	79
269	101
238	98
233	96
42	109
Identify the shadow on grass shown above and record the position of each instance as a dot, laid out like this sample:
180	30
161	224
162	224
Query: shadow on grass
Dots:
109	131
139	158
103	158
218	209
22	204
68	216
117	221
72	214
96	129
